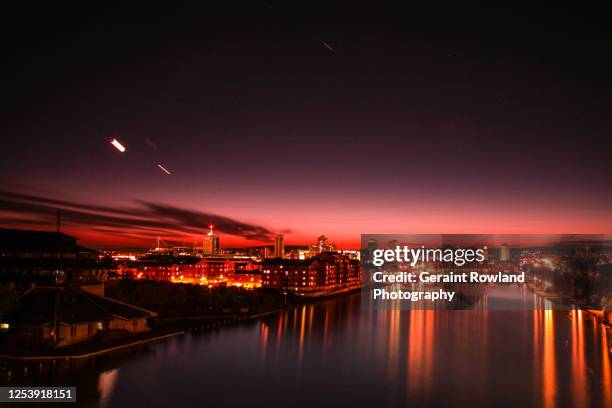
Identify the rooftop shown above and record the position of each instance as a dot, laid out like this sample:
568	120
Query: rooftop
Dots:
38	306
13	240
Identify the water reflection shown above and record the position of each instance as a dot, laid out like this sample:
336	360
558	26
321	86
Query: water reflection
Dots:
578	359
549	374
335	353
606	381
420	341
106	384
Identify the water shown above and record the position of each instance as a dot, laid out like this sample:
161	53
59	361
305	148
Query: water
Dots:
335	353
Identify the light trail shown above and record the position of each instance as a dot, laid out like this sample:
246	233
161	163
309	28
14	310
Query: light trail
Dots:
163	169
117	145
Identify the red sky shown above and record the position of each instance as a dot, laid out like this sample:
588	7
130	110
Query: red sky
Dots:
308	121
343	217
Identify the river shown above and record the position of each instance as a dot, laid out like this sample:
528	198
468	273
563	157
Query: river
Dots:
339	353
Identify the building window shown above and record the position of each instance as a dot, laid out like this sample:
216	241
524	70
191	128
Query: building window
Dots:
100	326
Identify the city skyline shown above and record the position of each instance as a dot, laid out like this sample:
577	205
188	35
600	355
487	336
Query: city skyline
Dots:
140	224
316	205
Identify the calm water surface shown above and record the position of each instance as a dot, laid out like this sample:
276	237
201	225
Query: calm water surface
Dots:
335	353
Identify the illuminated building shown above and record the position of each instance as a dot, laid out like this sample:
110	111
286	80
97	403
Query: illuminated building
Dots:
297	252
215	271
487	255
351	253
322	245
279	246
246	274
504	253
210	244
372	246
323	274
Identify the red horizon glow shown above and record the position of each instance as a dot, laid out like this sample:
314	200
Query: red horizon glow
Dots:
343	220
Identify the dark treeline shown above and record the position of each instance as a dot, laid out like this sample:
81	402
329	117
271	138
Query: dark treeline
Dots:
581	276
168	298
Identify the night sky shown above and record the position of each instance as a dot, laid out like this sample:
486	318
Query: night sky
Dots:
341	120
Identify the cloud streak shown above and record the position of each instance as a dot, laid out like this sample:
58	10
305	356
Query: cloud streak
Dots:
145	218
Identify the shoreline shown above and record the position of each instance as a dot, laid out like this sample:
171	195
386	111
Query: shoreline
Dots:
157	334
215	321
555	297
98	352
594	313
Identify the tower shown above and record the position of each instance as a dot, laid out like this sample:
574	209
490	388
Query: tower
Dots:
504	253
210	244
279	246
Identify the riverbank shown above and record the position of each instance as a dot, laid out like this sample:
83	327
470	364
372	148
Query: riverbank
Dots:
221	319
171	326
87	350
598	315
163	327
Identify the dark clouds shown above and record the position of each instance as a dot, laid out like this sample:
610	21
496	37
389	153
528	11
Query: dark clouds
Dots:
145	218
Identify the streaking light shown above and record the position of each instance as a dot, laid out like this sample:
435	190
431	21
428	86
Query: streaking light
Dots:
163	169
117	145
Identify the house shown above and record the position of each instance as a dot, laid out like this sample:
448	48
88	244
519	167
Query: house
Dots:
57	317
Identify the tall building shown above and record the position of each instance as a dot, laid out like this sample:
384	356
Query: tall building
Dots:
368	253
504	253
322	245
279	246
210	245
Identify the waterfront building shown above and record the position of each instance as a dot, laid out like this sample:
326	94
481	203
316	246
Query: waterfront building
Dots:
57	317
212	270
325	273
246	274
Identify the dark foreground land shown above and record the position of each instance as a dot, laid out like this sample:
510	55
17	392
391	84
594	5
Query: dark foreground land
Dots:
178	307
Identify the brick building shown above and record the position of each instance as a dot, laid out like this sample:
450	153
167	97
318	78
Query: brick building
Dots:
325	273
